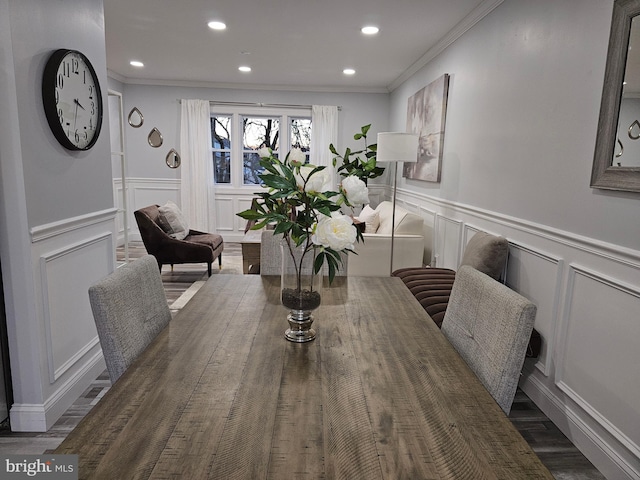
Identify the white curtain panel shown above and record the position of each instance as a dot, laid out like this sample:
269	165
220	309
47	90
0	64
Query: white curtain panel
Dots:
324	131
197	166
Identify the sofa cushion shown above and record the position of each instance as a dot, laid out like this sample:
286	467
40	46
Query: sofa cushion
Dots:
486	253
407	223
172	221
370	218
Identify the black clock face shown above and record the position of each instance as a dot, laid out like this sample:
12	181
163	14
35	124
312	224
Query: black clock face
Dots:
72	99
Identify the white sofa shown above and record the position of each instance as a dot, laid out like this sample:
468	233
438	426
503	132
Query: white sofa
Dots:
374	255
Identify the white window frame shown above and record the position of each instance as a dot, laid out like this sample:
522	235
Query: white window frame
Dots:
236	113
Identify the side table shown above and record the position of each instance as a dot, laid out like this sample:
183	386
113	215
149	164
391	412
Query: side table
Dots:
251	251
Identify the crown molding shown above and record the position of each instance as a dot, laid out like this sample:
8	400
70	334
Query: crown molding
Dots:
242	86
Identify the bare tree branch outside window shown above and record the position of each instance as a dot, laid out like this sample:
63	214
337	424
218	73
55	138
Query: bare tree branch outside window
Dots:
221	141
258	132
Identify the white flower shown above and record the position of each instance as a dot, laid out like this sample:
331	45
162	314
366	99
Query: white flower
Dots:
318	182
297	155
355	190
336	232
264	152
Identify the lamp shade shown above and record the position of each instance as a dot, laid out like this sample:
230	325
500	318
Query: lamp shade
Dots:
397	147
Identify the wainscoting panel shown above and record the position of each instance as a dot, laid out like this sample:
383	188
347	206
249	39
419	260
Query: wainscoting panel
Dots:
429	217
448	235
67	256
152	191
228	204
65	275
602	313
225	215
536	276
119	203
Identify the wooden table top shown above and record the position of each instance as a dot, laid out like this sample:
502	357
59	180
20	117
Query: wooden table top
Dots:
380	394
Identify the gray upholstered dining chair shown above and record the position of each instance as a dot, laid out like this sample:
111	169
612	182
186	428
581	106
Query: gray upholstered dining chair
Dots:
129	308
489	325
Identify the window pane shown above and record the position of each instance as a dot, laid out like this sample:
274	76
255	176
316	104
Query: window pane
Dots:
251	168
222	167
221	132
260	132
221	142
300	134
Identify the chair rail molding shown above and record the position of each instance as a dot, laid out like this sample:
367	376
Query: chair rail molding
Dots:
623	255
49	230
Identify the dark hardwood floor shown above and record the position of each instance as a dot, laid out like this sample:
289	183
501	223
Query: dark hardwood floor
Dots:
555	450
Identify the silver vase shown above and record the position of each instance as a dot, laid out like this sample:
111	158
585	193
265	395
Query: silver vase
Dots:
299	291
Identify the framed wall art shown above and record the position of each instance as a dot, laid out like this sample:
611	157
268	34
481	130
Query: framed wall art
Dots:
426	114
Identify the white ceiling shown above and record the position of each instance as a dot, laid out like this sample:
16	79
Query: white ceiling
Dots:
296	44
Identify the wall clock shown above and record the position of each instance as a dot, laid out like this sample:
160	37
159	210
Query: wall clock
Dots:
72	99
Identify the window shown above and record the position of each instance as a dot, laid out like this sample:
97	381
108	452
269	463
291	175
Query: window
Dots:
300	134
221	141
257	132
237	135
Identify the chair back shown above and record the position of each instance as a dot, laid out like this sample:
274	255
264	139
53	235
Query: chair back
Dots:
490	326
129	308
150	232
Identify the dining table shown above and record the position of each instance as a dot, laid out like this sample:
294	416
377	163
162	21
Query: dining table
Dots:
221	394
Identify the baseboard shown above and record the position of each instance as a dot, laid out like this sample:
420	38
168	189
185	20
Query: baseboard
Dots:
595	447
41	417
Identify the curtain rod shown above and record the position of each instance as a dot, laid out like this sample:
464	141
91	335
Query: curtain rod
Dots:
268	105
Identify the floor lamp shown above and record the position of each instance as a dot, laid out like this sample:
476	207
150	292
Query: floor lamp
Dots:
396	147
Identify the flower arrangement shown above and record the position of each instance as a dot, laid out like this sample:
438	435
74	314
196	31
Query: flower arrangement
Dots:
299	202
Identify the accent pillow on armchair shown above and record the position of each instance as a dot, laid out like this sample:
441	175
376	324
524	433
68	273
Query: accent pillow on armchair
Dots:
172	221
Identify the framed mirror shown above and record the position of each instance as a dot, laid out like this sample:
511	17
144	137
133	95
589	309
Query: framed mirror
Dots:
173	159
155	138
614	165
135	119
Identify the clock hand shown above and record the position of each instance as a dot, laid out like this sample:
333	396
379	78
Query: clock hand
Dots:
75	116
78	104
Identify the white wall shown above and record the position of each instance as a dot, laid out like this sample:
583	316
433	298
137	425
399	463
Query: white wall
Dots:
520	133
57	219
151	181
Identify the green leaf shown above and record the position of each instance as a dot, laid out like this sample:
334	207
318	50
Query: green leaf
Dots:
283	227
260	225
333	149
278	182
318	261
249	215
365	129
357	136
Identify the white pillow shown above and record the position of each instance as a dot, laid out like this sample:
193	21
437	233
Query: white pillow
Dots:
370	218
172	221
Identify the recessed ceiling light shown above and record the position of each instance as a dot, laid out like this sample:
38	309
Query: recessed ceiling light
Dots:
370	30
216	25
349	71
136	63
244	69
